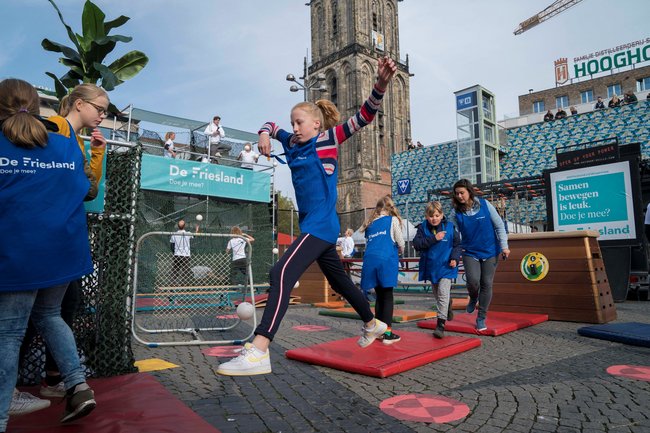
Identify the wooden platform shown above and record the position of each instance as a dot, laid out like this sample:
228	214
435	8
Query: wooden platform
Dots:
575	289
314	287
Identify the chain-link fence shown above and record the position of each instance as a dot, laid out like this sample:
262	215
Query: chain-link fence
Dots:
187	284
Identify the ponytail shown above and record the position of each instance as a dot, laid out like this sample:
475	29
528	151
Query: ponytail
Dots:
19	109
331	115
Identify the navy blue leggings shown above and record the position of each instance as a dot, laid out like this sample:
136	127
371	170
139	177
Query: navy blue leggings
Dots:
293	263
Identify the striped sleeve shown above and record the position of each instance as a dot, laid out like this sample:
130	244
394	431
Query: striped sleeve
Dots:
362	118
276	132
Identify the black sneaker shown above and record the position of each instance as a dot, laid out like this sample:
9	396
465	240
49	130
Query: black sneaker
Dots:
78	405
450	312
390	338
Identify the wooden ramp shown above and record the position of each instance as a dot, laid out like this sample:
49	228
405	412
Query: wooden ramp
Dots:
399	316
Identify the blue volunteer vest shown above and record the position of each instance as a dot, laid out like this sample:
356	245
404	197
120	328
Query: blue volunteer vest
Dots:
434	262
42	212
479	238
315	191
381	259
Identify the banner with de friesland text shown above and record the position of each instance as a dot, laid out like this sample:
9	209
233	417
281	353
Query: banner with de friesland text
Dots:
201	178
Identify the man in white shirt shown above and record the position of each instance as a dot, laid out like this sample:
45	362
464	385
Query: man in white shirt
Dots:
347	247
247	157
181	260
215	133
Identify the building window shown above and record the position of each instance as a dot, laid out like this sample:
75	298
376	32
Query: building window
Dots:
614	89
488	107
488	133
643	84
561	101
374	21
538	107
335	24
586	96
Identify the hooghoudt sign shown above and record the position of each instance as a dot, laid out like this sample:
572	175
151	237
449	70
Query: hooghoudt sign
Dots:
604	60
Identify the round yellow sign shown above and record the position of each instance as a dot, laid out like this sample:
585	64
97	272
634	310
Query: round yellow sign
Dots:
534	266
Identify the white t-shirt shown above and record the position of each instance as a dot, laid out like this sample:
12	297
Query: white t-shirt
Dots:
181	241
647	215
169	148
347	246
248	158
238	248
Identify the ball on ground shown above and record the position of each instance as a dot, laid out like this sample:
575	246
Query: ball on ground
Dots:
199	217
245	310
275	251
295	286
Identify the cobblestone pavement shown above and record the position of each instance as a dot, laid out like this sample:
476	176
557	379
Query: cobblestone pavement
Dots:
544	378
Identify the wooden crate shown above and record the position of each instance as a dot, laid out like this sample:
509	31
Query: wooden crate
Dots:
314	287
575	289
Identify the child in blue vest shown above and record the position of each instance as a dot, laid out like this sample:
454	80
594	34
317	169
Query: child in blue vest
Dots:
438	242
312	155
384	242
483	238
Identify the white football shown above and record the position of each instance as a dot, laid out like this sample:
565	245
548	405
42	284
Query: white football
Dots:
275	251
199	217
245	310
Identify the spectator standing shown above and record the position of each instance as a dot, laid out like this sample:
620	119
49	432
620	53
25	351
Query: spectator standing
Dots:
548	116
182	252
215	133
169	151
248	157
384	242
237	245
347	245
599	104
629	98
614	102
573	110
48	246
560	114
420	145
411	145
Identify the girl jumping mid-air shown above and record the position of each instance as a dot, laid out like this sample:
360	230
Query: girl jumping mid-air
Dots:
312	152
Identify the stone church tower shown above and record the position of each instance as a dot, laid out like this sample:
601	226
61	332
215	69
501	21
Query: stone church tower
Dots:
347	38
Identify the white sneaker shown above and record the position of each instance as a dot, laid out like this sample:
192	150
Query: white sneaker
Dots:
55	391
369	335
250	362
23	403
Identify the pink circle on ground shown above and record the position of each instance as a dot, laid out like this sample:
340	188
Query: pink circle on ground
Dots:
311	328
222	351
424	408
638	372
228	316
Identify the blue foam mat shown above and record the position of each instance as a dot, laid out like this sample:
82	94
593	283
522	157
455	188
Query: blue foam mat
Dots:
633	333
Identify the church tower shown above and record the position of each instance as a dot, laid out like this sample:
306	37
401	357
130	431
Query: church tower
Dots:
347	38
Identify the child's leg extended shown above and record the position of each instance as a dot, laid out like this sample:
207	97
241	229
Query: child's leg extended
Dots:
332	268
443	293
293	263
384	305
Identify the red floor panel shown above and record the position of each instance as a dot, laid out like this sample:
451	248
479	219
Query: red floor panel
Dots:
379	360
497	322
133	403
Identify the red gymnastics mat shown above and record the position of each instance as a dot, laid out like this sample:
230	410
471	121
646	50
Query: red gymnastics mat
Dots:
379	360
133	403
497	322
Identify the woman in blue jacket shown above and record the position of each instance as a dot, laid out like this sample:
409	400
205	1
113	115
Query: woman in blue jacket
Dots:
438	242
483	237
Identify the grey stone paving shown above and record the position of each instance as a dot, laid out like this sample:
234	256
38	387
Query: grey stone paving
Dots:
544	378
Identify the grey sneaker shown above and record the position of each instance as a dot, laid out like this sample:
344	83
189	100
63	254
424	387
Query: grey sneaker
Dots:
369	335
23	403
78	404
54	391
248	363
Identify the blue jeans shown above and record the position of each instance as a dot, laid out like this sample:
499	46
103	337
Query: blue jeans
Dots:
45	308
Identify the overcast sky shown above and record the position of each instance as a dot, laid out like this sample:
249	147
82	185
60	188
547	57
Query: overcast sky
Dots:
231	57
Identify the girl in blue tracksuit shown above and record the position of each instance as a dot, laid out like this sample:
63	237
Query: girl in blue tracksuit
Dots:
483	237
384	242
438	242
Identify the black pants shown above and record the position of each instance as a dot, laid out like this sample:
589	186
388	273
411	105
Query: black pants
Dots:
238	272
181	271
293	263
384	304
69	307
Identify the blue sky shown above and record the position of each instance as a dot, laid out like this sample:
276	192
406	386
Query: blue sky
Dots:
231	57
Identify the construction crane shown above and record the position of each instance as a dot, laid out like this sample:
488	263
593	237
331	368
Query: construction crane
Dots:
555	8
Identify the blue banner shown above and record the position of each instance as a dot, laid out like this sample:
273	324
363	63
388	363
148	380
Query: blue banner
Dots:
202	178
466	100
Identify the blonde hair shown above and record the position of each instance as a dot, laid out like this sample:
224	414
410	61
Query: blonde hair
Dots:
169	135
384	204
432	207
235	230
323	110
19	104
86	92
